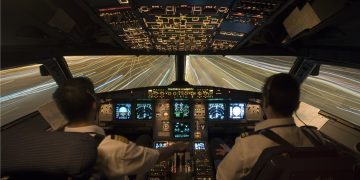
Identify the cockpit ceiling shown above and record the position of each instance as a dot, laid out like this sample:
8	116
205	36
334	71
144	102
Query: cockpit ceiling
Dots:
187	25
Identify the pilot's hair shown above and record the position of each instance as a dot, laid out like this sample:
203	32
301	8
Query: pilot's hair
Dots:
82	82
282	93
75	98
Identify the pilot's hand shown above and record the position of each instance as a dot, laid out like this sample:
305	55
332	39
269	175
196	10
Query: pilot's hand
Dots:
223	150
183	146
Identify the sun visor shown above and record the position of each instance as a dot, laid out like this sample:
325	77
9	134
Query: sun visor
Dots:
300	20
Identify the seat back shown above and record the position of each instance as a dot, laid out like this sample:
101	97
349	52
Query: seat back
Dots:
288	163
48	154
295	163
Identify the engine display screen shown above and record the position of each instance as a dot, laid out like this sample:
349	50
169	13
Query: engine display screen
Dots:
237	111
123	111
181	109
182	130
199	145
216	111
160	144
144	111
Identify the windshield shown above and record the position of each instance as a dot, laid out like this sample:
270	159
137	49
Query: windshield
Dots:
336	90
236	72
111	73
23	90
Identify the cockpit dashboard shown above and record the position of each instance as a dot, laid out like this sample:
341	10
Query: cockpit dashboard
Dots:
173	114
179	112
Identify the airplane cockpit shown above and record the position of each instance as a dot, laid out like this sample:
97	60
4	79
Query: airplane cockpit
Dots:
179	71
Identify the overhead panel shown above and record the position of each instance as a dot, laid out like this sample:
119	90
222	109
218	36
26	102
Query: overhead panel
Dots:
183	26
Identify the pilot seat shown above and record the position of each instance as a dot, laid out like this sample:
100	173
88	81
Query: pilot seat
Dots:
286	162
49	155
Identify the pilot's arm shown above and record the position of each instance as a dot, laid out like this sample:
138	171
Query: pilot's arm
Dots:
119	158
239	161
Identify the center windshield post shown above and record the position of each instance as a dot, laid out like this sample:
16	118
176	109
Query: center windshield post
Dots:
180	68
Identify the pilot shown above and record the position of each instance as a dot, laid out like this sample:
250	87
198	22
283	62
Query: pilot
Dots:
117	157
281	94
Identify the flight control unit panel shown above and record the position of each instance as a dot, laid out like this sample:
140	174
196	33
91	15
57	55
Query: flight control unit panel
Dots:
180	114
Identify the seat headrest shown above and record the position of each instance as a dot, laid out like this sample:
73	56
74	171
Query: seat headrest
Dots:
48	152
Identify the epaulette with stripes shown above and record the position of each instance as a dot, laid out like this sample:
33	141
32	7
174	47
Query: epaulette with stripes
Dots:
120	138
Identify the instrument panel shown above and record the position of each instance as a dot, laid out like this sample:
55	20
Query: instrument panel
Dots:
180	114
218	111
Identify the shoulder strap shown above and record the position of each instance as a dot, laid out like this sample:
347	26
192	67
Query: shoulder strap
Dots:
314	137
98	138
275	137
95	173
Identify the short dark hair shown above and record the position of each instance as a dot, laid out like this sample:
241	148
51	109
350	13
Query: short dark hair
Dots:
75	98
282	93
82	82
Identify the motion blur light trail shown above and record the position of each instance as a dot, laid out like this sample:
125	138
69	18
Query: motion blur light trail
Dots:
335	90
23	90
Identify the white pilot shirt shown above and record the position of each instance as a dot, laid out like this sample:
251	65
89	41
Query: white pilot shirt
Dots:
120	158
246	151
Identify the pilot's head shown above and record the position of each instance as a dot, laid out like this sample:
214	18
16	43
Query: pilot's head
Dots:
82	82
76	99
281	94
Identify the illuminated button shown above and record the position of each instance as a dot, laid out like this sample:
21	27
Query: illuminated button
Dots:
197	135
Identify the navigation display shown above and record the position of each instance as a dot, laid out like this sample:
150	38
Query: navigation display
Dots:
237	111
160	144
181	130
216	111
181	109
199	145
122	111
144	111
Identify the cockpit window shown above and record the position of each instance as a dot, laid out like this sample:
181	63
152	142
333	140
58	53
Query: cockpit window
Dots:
23	91
336	91
235	72
111	73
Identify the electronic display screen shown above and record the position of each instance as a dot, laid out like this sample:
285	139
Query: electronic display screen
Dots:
216	111
181	109
144	111
123	111
199	145
237	111
160	144
181	130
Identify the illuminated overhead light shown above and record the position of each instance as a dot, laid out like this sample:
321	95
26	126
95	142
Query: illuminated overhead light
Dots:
114	9
258	16
123	1
223	9
214	20
238	14
195	19
143	9
197	10
170	10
